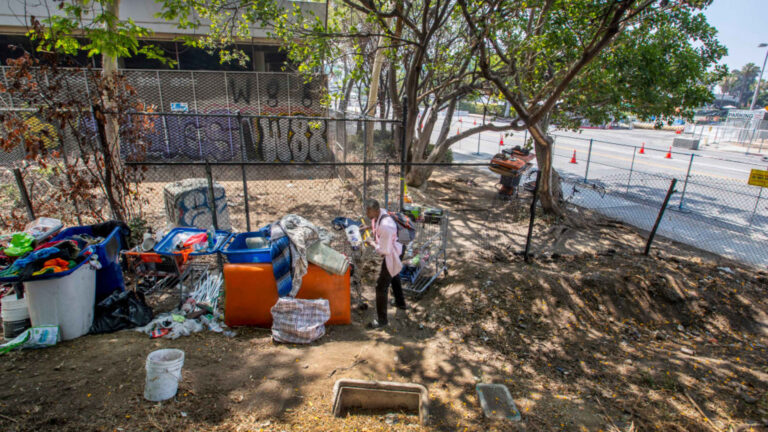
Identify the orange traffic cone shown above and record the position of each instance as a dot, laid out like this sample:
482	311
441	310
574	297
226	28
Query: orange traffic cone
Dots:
501	141
642	149
474	122
573	158
457	131
669	153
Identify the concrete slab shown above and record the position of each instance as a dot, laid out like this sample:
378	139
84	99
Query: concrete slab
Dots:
380	395
497	402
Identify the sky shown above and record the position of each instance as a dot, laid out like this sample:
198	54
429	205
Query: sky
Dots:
741	25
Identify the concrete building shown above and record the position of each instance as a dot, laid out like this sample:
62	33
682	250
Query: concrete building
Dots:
263	53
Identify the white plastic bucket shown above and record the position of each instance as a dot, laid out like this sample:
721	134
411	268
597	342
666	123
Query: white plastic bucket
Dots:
66	301
163	374
15	316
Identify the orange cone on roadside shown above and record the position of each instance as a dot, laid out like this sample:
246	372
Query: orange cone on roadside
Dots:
669	153
642	149
474	122
573	158
457	131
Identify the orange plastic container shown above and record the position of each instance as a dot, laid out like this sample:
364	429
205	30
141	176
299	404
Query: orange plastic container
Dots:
250	292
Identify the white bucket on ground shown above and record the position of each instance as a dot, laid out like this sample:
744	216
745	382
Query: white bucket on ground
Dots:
66	302
163	374
15	316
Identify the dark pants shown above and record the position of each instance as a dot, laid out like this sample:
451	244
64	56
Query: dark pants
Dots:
382	291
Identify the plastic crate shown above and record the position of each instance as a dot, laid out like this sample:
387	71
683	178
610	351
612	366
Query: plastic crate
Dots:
110	277
167	245
238	252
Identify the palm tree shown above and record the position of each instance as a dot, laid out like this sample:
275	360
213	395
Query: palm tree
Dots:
728	82
745	80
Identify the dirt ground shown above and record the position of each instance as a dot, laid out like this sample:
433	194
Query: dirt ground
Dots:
590	335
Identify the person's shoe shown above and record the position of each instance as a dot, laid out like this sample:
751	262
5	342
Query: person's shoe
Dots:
376	325
392	303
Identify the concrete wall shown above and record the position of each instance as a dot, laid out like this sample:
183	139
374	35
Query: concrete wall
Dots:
14	15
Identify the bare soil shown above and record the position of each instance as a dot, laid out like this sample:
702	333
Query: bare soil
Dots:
590	335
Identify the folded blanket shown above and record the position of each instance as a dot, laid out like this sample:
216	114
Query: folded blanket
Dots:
299	233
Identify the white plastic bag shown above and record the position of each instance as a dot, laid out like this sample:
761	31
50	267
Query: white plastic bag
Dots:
35	337
299	321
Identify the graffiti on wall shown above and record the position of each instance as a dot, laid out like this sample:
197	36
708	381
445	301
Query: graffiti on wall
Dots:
220	139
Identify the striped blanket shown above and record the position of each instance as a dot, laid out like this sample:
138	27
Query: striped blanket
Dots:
289	239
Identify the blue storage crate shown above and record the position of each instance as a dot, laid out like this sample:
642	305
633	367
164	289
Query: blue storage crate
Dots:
238	252
167	245
110	277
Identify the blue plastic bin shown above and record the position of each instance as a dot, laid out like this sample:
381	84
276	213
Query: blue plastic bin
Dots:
110	277
238	253
167	245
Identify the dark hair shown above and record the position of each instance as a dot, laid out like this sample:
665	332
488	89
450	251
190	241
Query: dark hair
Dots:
372	204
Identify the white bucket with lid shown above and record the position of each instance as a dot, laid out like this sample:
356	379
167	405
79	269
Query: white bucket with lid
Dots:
163	374
15	314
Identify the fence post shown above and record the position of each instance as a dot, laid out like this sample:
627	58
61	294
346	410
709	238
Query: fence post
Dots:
485	109
23	194
214	216
589	157
242	169
365	163
211	195
685	184
754	210
386	183
402	152
661	214
631	167
162	109
532	218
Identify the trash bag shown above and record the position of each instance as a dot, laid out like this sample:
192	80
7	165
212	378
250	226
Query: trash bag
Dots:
119	311
299	321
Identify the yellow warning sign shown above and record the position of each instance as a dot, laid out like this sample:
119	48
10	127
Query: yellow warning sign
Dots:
758	178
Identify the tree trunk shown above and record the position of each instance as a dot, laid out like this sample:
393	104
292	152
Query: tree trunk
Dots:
550	192
418	175
112	162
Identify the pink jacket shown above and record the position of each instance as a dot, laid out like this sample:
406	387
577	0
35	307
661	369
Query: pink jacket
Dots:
385	236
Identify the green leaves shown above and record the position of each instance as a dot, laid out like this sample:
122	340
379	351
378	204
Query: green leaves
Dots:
89	26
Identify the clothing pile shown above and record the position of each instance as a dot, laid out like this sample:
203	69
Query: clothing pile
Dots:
52	257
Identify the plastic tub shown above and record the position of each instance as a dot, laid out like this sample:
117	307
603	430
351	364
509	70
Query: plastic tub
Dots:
65	301
167	245
15	316
43	228
110	277
238	251
163	374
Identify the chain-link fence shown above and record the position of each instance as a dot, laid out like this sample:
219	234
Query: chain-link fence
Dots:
709	210
326	166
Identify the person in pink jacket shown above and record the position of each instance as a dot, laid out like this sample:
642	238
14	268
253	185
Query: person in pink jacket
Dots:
384	240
